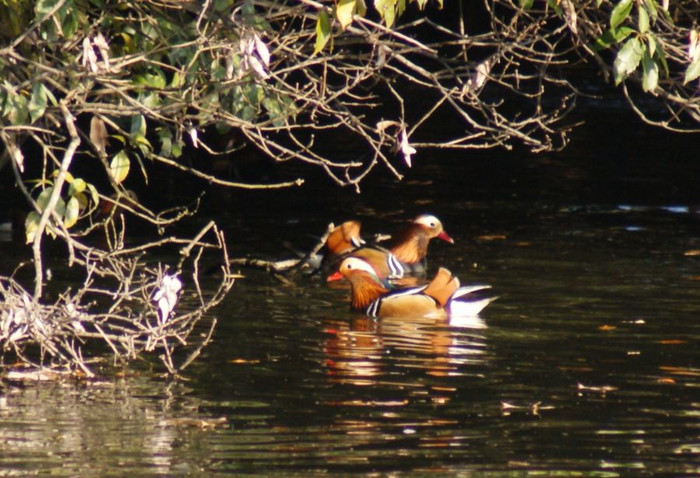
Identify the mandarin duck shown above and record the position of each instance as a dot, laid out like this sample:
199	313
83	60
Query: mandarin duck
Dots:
410	244
345	240
441	297
406	252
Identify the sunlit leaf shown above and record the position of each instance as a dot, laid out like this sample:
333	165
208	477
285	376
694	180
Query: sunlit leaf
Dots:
43	198
43	7
76	187
323	31
144	145
526	4
94	196
153	79
119	167
387	10
693	71
650	73
627	59
60	208
31	224
650	6
70	217
71	20
642	19
344	12
83	201
620	12
138	125
37	103
151	100
16	109
177	149
658	51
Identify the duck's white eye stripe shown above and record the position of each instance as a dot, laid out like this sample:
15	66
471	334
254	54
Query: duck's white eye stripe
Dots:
428	220
357	264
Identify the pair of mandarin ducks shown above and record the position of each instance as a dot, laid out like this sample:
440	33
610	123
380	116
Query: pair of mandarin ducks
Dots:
383	279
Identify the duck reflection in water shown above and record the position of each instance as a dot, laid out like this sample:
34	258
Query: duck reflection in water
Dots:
388	351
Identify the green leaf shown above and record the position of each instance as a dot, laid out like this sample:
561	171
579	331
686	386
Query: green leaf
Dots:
60	207
620	12
153	79
43	7
642	19
177	149
692	72
37	103
658	51
151	100
526	4
16	109
93	195
612	36
43	198
274	110
31	224
71	20
627	59
387	10
76	187
650	6
344	12
166	142
119	167
70	217
323	31
138	125
83	201
650	72
143	144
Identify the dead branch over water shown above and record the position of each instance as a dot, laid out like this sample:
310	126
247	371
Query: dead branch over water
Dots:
116	310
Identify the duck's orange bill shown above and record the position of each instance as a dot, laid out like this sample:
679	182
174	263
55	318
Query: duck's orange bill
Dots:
446	237
334	277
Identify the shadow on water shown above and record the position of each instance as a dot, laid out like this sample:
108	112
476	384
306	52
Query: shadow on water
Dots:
586	364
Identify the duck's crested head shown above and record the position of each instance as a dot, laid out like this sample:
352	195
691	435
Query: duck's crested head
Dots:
355	265
344	237
433	227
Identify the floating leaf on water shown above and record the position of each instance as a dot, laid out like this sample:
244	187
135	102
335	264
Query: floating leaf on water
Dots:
492	237
672	342
243	361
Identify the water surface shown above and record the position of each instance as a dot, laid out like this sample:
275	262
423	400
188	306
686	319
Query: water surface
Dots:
586	364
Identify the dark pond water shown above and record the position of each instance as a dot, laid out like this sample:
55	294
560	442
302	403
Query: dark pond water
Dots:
587	364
